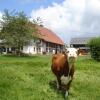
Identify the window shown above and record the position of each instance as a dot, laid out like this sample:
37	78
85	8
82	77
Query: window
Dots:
39	49
34	41
34	49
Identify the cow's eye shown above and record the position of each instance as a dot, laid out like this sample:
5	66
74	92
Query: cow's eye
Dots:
67	51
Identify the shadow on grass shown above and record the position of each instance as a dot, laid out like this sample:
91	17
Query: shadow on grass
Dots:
53	85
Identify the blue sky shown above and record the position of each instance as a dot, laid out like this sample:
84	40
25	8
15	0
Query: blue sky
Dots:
26	5
67	18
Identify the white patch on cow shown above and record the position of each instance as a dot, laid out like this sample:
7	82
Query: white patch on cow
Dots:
72	52
65	79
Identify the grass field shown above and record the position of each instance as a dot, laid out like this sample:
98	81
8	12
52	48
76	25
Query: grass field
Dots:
28	78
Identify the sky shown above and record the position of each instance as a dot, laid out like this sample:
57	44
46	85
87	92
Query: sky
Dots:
66	18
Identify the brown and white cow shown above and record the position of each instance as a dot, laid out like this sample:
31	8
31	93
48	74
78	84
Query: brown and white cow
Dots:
63	66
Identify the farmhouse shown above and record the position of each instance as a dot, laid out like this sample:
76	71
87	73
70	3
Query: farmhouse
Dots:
47	42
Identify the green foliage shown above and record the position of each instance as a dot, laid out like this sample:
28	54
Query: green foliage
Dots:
95	48
16	29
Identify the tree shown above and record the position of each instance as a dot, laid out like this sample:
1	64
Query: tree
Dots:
95	48
16	30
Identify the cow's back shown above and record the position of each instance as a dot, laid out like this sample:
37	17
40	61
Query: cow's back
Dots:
59	64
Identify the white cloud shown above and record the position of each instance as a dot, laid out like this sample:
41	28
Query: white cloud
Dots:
70	18
0	15
91	19
94	5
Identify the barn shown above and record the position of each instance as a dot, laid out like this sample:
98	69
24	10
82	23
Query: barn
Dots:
81	43
46	43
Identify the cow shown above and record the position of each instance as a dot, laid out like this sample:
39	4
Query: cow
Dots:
63	67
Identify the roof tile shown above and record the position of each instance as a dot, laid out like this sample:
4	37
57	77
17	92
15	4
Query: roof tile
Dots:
49	36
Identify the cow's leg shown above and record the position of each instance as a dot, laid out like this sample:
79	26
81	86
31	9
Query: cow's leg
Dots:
67	89
58	83
69	83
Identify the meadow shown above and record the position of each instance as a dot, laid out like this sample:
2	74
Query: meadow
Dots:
28	78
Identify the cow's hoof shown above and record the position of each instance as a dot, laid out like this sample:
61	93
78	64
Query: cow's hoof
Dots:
66	98
66	95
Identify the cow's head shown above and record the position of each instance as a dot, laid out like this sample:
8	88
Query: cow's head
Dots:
72	54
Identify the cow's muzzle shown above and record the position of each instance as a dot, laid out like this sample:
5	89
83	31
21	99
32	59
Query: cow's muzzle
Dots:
72	59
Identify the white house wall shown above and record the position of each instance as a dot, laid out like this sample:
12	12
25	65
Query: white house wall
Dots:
29	50
32	48
39	48
43	48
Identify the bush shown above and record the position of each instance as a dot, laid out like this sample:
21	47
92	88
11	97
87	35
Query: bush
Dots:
95	48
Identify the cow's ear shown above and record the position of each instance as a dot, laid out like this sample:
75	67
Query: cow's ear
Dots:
77	52
78	49
66	50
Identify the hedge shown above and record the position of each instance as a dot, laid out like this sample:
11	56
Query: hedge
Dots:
94	45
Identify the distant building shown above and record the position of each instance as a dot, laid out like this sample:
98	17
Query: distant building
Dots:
47	42
81	43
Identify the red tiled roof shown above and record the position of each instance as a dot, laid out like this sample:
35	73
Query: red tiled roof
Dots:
49	36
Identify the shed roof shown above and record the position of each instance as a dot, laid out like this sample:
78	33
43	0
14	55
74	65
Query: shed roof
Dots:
80	40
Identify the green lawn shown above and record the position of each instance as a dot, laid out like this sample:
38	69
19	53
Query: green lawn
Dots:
28	78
